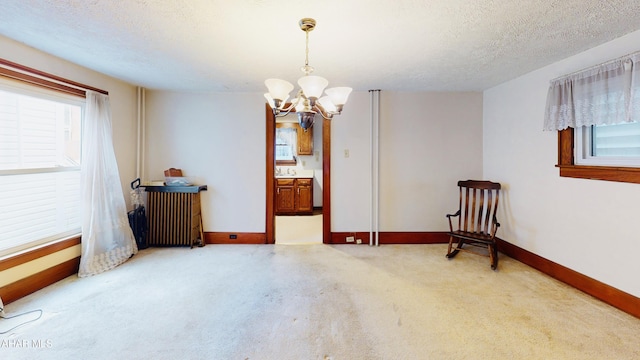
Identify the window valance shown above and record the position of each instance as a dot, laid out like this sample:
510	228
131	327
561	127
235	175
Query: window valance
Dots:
608	93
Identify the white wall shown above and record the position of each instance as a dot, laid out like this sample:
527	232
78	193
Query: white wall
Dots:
428	142
586	225
220	140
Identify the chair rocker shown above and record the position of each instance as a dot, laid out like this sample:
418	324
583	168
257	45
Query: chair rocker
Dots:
477	222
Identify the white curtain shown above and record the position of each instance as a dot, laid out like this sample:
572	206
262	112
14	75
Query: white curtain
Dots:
107	239
605	94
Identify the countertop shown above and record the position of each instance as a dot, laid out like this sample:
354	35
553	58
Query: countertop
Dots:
299	174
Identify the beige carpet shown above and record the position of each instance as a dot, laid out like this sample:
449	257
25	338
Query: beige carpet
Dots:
317	302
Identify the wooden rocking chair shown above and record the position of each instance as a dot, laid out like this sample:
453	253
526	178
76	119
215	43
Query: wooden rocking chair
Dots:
477	222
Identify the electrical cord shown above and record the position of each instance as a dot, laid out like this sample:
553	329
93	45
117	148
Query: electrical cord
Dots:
19	315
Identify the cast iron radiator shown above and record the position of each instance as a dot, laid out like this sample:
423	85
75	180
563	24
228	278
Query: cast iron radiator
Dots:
174	219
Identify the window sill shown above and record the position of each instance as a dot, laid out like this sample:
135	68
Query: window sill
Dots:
37	252
566	164
607	173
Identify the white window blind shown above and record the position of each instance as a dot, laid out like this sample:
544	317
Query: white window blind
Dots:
40	137
622	140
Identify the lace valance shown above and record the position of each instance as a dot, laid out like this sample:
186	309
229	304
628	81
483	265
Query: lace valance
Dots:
608	93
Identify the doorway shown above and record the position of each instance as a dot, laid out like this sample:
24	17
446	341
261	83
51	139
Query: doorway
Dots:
325	219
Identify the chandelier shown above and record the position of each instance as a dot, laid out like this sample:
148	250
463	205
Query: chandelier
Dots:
309	100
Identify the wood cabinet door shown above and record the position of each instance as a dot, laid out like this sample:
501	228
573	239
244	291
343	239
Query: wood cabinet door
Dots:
305	141
305	196
285	196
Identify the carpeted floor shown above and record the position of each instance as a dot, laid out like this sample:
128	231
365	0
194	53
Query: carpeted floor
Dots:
317	302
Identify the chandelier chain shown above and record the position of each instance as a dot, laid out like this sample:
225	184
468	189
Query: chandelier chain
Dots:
306	59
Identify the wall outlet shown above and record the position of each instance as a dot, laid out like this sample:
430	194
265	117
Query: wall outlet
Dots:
351	239
233	236
359	241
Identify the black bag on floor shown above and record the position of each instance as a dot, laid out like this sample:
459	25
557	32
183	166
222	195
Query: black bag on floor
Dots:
138	223
137	217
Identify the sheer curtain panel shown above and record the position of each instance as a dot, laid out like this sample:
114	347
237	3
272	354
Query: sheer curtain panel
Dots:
605	94
107	239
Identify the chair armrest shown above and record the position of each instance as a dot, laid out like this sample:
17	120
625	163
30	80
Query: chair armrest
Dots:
449	216
454	215
495	227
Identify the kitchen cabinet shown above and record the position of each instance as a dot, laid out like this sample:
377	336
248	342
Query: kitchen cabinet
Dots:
304	196
294	196
305	141
285	196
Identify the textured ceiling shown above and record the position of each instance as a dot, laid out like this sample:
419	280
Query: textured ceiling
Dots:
233	45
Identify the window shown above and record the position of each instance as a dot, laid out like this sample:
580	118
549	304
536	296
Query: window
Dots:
596	112
40	142
608	145
286	143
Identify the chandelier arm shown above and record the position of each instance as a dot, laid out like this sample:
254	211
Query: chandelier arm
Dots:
325	114
284	112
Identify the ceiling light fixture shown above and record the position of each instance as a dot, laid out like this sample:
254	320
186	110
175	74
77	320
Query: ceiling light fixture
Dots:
308	101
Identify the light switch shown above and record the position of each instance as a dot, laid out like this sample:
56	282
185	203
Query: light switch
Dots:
346	153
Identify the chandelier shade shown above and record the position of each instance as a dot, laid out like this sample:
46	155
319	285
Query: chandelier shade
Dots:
339	95
309	100
272	102
313	86
278	89
327	104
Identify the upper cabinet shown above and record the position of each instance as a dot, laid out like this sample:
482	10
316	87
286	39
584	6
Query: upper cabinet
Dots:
305	141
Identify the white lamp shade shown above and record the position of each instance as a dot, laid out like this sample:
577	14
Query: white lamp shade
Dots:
327	104
313	86
279	89
272	103
339	95
269	99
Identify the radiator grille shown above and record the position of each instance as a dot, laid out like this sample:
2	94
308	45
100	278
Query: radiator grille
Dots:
174	219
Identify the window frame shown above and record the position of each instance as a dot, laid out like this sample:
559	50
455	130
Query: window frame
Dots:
41	79
294	149
30	90
58	230
583	148
568	167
